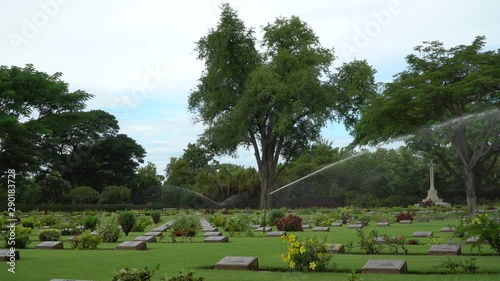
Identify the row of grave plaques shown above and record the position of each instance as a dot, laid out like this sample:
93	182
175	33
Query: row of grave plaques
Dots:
139	243
211	233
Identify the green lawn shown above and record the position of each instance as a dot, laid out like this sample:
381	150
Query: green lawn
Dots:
101	264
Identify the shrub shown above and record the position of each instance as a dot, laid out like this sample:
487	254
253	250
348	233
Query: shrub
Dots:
456	266
87	241
109	229
289	223
486	228
184	227
217	220
239	225
369	243
404	216
90	222
133	274
49	235
127	221
22	237
49	220
395	243
310	255
156	216
141	223
29	222
115	195
275	215
2	222
84	195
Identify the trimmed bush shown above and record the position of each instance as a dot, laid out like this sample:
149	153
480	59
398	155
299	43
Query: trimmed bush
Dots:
84	195
141	223
29	222
87	241
115	195
22	239
185	227
275	215
156	216
404	216
127	221
90	222
289	223
109	229
49	235
49	220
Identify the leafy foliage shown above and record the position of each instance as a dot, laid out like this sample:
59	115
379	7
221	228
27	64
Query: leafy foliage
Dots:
186	276
90	222
289	223
368	243
84	195
49	235
156	216
308	255
184	227
115	195
22	237
484	227
87	241
109	229
127	221
141	223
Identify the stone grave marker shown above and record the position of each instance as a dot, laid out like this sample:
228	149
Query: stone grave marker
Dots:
149	239
50	245
261	229
336	224
68	280
6	255
216	239
238	263
335	248
356	226
445	250
306	226
383	223
385	266
422	234
161	228
276	233
321	229
132	245
405	221
423	219
209	229
472	240
216	233
447	229
154	233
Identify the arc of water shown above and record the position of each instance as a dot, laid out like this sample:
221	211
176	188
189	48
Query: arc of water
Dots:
315	172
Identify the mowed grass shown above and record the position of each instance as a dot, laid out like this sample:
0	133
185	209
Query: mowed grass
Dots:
101	264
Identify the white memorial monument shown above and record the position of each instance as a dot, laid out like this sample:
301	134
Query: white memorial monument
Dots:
432	195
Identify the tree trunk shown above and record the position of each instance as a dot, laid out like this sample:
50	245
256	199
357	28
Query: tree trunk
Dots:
472	180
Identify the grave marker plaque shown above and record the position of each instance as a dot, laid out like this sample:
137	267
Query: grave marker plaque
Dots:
356	226
261	229
276	233
209	229
447	229
238	263
405	221
336	224
216	233
385	266
335	248
161	228
132	245
216	239
6	255
50	245
321	229
383	223
149	239
445	250
422	234
154	233
306	226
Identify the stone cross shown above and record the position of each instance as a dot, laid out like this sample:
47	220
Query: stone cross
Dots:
431	177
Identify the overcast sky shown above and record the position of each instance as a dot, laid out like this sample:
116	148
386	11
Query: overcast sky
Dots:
138	59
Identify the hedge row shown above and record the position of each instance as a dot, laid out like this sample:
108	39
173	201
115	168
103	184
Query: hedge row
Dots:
84	207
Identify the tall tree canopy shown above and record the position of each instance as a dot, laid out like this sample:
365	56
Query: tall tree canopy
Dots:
446	98
274	102
28	94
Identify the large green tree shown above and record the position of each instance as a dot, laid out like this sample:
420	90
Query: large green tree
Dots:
274	102
28	94
446	98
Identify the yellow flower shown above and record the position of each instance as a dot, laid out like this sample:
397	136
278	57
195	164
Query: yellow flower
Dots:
320	255
283	237
296	244
292	264
302	249
284	258
291	238
312	265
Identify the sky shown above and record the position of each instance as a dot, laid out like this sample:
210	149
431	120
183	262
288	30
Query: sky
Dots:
137	57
